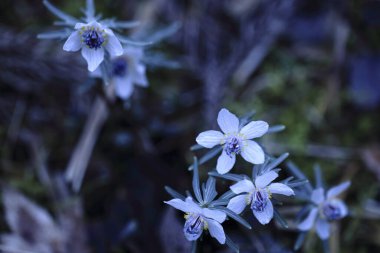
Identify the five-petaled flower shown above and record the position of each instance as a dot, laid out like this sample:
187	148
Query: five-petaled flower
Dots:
234	140
258	195
127	70
326	209
93	38
200	218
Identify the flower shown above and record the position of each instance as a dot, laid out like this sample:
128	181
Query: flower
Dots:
258	195
234	140
127	70
200	218
325	210
93	38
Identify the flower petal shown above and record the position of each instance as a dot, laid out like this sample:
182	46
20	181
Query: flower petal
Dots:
278	188
244	185
73	43
254	129
93	57
336	190
238	203
341	206
209	139
323	229
308	222
139	76
318	196
266	215
217	215
123	87
216	230
228	122
187	206
113	45
252	152
225	163
80	25
265	179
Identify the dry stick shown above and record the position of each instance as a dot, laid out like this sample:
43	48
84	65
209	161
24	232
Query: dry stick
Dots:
81	155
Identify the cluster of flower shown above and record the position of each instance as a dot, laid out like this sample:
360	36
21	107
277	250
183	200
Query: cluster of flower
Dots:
102	48
257	192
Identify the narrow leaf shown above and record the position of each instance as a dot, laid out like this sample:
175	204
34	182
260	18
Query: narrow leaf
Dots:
196	185
300	239
276	129
209	155
233	246
228	176
60	14
233	215
279	219
174	193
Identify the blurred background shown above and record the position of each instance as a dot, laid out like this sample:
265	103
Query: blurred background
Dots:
313	66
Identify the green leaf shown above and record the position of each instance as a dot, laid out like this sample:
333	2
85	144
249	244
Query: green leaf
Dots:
233	215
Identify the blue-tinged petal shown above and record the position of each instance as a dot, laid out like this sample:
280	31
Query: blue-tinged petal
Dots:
343	210
318	196
209	139
113	44
216	230
323	229
73	43
193	227
254	129
252	152
93	57
123	87
228	122
80	25
217	215
139	76
225	163
308	222
238	203
336	190
278	188
187	206
265	216
244	185
265	179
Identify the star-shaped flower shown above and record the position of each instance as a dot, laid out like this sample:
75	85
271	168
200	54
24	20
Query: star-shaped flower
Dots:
200	218
326	209
258	194
93	38
127	70
235	140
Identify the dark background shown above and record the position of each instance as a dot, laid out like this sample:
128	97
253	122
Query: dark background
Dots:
313	66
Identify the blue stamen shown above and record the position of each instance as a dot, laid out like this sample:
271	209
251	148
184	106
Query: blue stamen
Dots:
93	39
119	67
193	227
259	201
232	146
331	212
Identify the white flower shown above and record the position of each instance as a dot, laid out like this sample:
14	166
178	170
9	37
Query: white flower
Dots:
234	140
93	38
258	195
127	70
326	210
199	219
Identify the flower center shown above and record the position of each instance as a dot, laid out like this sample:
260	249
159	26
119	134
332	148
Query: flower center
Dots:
233	146
259	200
93	38
119	67
194	226
331	211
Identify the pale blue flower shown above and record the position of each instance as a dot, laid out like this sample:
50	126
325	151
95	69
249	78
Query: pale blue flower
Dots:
127	70
200	218
235	140
325	210
93	39
258	195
